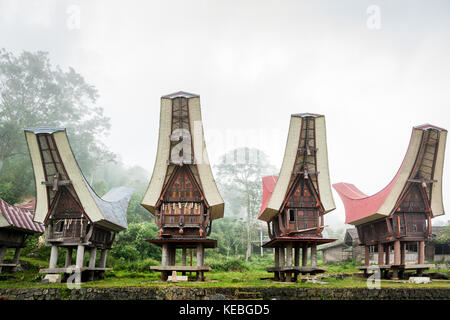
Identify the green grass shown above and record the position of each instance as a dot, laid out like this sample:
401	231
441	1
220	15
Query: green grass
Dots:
215	279
231	272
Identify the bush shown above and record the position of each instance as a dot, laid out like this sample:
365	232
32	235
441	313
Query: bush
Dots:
223	264
135	266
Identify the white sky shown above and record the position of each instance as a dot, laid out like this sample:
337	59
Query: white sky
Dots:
254	63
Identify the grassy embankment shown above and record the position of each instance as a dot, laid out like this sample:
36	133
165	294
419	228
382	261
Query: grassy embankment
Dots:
225	273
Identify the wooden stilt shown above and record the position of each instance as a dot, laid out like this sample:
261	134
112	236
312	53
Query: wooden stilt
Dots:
102	262
296	256
79	262
92	257
183	259
80	256
394	272
165	255
421	252
53	257
289	255
387	254
282	275
397	252
277	263
289	261
366	255
314	255
16	258
200	257
183	256
68	261
172	256
380	254
403	253
2	255
304	255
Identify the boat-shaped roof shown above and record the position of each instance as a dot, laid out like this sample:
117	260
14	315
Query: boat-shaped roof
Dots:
361	208
51	155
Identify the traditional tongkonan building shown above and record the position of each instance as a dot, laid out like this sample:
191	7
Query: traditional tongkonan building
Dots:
16	224
295	202
182	194
401	213
75	217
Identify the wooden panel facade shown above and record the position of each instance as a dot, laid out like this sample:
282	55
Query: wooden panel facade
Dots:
182	211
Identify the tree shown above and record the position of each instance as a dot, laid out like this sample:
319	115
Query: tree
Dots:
229	230
444	236
131	245
35	93
241	171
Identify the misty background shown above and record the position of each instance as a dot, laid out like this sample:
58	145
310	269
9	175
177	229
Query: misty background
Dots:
375	69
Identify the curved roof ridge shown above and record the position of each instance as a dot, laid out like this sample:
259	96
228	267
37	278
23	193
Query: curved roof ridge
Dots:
360	208
268	183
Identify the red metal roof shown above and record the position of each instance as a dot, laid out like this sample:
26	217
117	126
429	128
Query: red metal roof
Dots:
30	205
268	183
21	216
357	204
429	126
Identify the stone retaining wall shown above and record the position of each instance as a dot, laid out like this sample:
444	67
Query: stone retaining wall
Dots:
174	293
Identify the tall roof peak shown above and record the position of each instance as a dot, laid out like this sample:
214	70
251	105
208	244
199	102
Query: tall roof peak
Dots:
306	114
427	126
180	94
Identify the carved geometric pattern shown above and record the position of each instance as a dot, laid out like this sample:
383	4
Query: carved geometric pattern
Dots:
182	187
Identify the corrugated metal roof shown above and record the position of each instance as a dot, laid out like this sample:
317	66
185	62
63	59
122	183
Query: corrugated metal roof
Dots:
306	114
30	205
20	217
268	183
114	204
427	126
44	130
358	205
181	94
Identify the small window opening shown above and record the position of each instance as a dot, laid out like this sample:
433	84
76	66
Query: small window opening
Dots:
60	226
291	215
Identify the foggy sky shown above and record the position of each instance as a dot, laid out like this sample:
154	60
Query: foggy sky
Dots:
254	63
